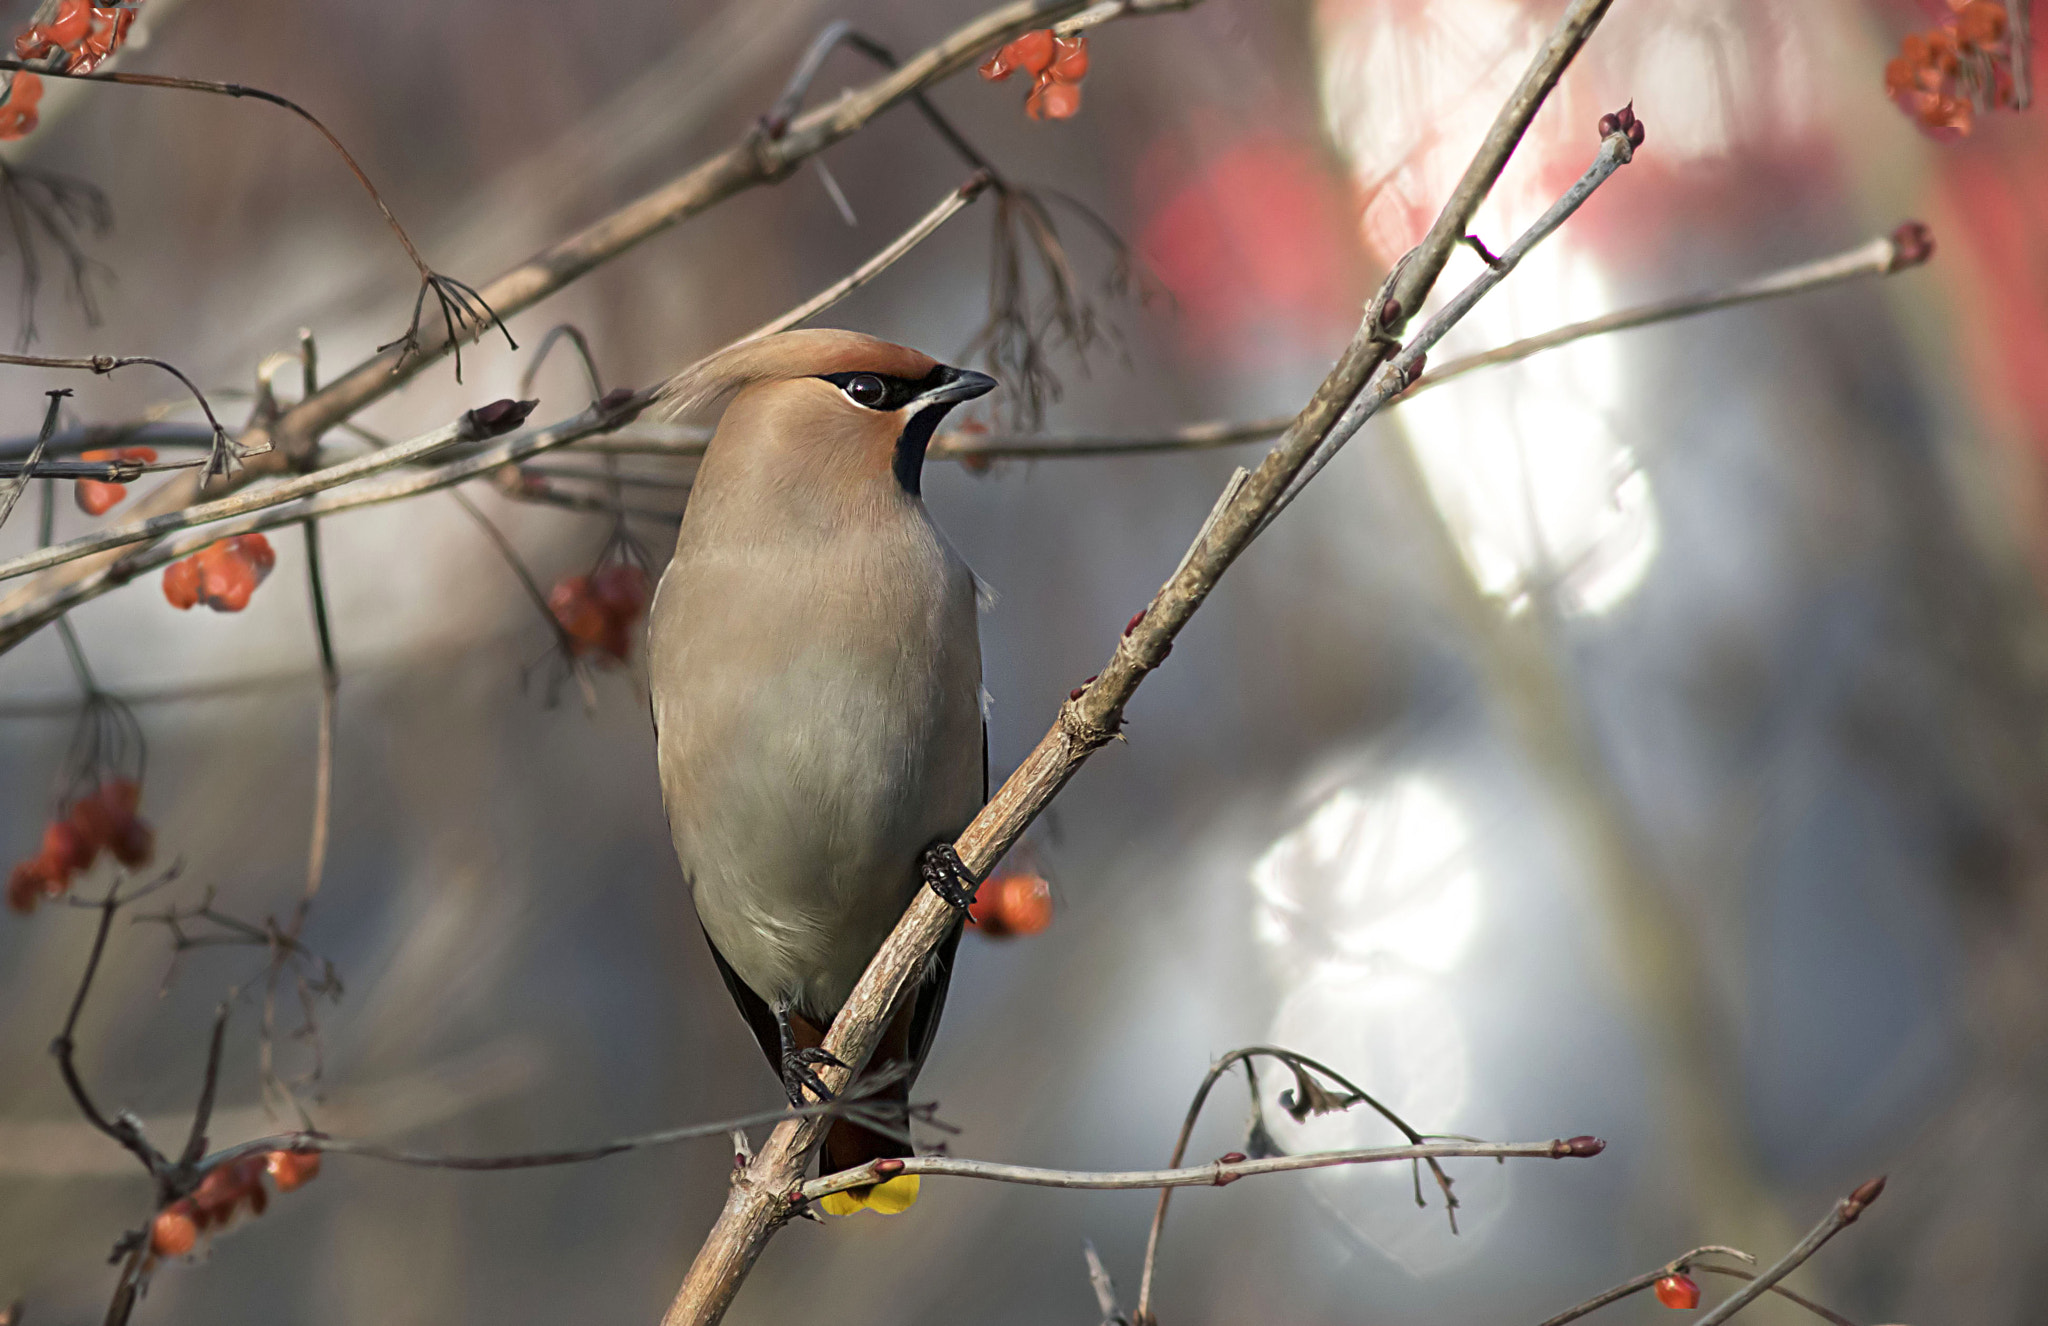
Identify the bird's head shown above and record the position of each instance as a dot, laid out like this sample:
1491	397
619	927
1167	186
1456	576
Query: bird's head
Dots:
823	409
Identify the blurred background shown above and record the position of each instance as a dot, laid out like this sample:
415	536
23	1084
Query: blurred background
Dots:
1646	740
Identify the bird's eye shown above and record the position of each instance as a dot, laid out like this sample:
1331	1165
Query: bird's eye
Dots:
866	389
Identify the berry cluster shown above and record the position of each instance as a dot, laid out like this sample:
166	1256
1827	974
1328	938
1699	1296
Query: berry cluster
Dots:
1015	904
221	1195
96	497
597	612
103	819
1056	65
1945	76
221	575
77	40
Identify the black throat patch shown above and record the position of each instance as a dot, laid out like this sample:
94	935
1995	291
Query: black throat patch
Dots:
918	429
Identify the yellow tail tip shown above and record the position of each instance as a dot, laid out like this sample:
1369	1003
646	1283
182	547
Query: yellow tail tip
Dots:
891	1198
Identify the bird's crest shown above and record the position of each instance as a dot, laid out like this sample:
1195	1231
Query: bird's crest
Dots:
811	352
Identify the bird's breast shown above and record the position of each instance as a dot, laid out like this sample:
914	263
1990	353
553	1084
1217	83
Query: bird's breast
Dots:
817	710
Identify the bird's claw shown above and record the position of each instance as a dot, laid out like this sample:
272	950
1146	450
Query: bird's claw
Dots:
799	1073
948	876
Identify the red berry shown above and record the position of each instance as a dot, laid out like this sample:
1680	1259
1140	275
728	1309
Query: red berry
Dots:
1070	59
1033	52
1678	1290
620	589
66	849
1053	101
1014	904
96	497
174	1231
293	1169
181	583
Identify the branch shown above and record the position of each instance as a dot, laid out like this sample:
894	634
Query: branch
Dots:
225	449
473	425
21	478
1213	1175
757	1204
2020	15
1636	1284
752	161
1844	1214
1301	1064
453	297
1907	247
289	502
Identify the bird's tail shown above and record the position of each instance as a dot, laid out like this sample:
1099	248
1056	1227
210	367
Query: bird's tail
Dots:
849	1144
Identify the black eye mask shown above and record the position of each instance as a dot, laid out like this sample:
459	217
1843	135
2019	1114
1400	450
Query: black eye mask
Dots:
884	394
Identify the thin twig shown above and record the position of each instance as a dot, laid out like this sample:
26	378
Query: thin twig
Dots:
748	163
856	1106
1636	1284
156	527
875	266
1840	1218
457	301
1213	1175
1297	1062
1404	368
225	449
21	481
2019	15
122	1129
287	503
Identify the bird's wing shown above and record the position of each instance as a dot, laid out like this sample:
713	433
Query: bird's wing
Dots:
760	1018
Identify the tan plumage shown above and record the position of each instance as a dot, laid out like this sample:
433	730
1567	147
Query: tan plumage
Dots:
815	672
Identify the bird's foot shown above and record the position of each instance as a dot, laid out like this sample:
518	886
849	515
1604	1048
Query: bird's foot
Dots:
799	1073
948	876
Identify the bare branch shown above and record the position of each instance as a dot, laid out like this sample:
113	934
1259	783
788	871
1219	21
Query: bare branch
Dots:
757	1203
464	429
1840	1218
1213	1175
293	500
1636	1284
458	302
1300	1064
21	480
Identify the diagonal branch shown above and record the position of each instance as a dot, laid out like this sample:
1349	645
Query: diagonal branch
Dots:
758	1203
1840	1218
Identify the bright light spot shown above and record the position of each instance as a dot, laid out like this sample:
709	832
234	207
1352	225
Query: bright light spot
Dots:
1367	908
1372	881
1523	460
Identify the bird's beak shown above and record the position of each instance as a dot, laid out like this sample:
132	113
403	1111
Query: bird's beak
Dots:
955	385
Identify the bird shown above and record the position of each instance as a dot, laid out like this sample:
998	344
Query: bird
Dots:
814	671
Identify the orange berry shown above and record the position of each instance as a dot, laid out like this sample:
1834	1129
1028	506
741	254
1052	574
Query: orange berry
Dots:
581	617
1679	1291
1980	23
293	1169
29	883
1070	60
133	843
1033	52
181	583
66	849
96	497
1053	101
175	1230
1013	904
620	589
995	69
